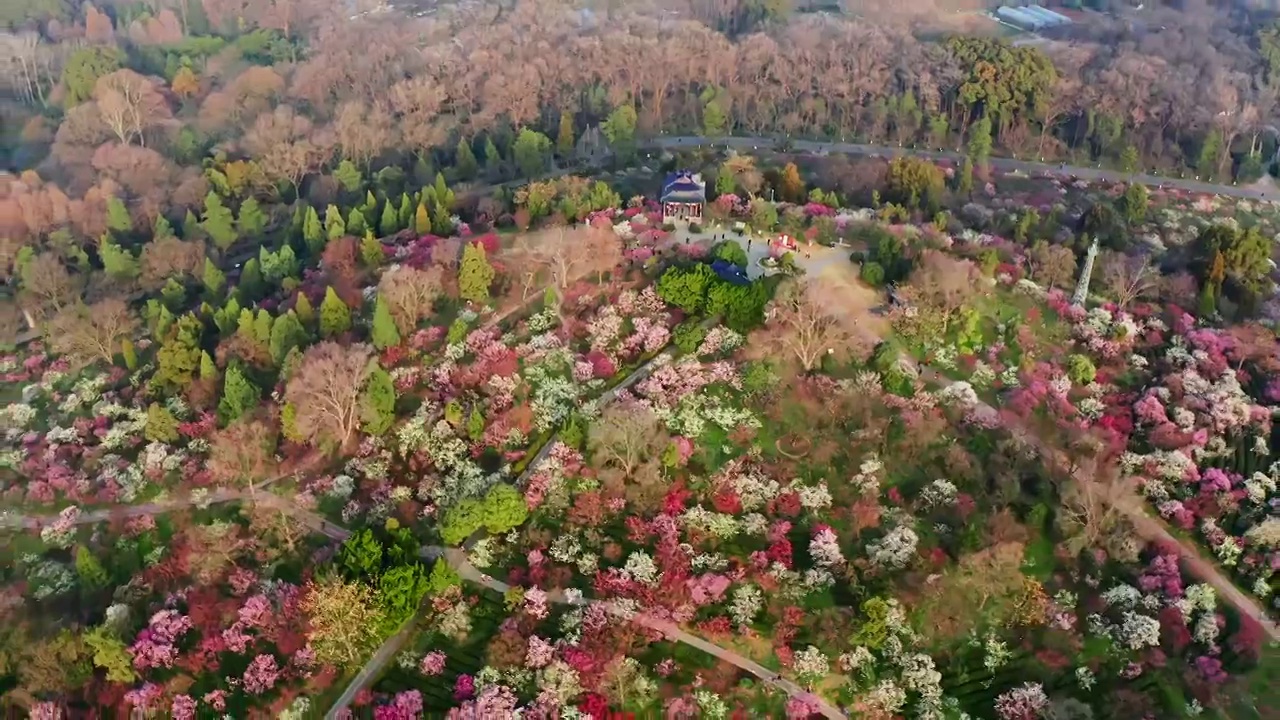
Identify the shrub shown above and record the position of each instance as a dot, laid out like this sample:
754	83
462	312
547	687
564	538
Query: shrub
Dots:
1080	369
730	251
873	274
669	227
695	228
689	335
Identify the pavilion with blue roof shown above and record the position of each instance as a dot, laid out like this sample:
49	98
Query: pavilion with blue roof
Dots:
684	196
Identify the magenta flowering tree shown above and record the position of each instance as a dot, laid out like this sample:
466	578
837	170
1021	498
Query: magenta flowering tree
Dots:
494	701
464	687
405	705
261	675
183	707
432	663
154	646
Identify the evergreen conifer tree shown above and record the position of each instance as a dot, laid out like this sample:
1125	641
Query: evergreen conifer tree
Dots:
297	220
334	226
335	316
239	395
422	220
475	275
349	176
118	263
465	161
302	306
390	223
492	159
208	370
262	326
118	220
190	226
378	402
251	286
218	223
371	253
407	208
252	220
213	278
441	223
89	570
564	138
161	228
286	334
356	224
129	353
313	231
161	425
445	197
384	332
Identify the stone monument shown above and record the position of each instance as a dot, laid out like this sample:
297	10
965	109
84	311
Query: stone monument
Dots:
1082	287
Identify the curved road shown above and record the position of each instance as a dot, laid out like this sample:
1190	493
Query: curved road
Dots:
1005	164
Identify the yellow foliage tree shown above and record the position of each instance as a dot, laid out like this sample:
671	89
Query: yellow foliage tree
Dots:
344	620
185	83
422	220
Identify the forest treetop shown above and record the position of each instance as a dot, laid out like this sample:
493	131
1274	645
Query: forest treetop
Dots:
141	101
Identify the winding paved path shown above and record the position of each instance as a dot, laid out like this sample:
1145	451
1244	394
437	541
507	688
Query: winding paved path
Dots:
1134	508
999	163
457	559
159	507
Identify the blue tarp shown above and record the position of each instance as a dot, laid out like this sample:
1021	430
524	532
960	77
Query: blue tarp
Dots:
730	273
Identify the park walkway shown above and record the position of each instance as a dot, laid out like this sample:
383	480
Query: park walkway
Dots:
457	559
1134	509
157	507
1132	506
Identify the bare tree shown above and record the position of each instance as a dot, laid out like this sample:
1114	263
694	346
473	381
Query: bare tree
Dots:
169	257
941	286
625	436
363	132
410	294
1051	265
48	284
571	254
417	103
130	104
1257	344
803	319
286	148
243	453
744	172
325	392
1128	277
527	264
1180	288
1092	514
89	333
11	321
